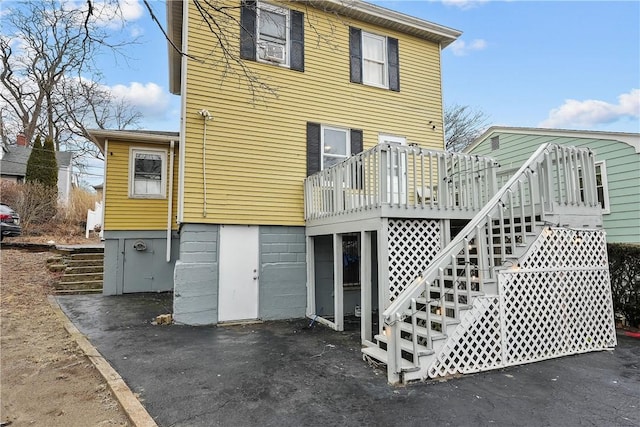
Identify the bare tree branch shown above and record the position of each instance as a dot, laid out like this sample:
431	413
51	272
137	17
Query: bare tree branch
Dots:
462	124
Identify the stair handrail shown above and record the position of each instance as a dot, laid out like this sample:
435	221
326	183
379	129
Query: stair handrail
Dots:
440	261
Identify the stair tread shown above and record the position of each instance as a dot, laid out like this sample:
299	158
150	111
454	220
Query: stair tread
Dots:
422	331
438	318
407	345
381	356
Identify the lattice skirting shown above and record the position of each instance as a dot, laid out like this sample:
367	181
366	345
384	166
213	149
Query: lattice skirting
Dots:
412	245
558	303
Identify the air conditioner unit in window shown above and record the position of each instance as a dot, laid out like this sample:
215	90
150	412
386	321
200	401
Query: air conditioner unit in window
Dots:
272	52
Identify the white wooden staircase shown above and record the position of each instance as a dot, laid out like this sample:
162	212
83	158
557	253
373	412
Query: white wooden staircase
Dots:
525	280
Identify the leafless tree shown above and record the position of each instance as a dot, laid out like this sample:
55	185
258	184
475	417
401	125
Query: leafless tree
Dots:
49	79
462	124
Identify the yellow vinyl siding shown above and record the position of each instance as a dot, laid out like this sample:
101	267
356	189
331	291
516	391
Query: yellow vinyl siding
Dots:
123	212
256	146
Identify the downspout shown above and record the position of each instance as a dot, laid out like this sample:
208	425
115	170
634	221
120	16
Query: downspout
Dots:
206	116
170	201
444	125
104	188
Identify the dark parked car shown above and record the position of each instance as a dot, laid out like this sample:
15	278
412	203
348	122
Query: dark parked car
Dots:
9	222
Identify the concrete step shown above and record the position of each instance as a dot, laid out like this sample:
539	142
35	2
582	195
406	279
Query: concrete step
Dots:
85	262
77	291
86	256
86	277
77	286
85	269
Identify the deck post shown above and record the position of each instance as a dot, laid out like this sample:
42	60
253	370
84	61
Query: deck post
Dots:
383	270
365	286
311	277
338	286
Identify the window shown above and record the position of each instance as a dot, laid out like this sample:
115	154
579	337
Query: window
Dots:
374	65
374	59
335	146
328	145
495	142
147	173
602	186
272	34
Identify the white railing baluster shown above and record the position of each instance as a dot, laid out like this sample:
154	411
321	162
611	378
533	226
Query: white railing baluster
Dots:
523	225
414	335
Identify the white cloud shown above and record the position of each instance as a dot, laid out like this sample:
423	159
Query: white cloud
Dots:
109	14
148	98
593	112
463	4
461	48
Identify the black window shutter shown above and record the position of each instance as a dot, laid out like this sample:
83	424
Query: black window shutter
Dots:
356	141
297	41
248	29
313	148
394	64
355	54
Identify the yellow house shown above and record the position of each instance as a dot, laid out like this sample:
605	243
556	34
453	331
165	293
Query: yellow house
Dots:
309	179
301	86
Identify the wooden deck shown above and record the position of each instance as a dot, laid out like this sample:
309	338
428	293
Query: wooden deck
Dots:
397	181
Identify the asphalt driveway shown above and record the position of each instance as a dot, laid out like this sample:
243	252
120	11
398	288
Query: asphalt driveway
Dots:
286	374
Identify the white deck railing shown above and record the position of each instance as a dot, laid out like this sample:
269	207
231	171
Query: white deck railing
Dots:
400	176
554	177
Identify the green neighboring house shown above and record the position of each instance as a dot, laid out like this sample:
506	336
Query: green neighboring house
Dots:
617	168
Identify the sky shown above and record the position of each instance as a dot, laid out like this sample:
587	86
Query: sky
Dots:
570	65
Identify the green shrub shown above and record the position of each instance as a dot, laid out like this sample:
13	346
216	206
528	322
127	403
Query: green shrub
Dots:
624	270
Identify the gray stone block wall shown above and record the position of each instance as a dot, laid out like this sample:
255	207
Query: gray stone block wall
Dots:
283	272
195	298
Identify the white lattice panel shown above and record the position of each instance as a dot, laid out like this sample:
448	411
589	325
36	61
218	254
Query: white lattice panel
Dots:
561	247
412	245
475	345
558	303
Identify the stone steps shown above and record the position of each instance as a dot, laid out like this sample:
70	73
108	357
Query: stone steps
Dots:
82	268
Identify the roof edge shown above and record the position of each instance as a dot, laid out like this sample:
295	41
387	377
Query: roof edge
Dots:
410	24
629	138
101	135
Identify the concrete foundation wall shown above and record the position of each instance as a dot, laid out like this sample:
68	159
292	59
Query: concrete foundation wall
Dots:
195	297
127	270
283	274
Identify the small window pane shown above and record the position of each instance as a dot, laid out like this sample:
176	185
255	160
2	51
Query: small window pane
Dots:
335	142
373	48
327	161
273	25
374	73
148	166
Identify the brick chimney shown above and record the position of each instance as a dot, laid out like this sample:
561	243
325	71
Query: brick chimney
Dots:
21	140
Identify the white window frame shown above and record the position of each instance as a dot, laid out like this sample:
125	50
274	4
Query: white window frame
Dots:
287	33
605	185
347	133
132	169
385	61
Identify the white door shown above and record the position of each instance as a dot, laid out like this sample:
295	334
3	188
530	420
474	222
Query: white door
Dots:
238	287
396	169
